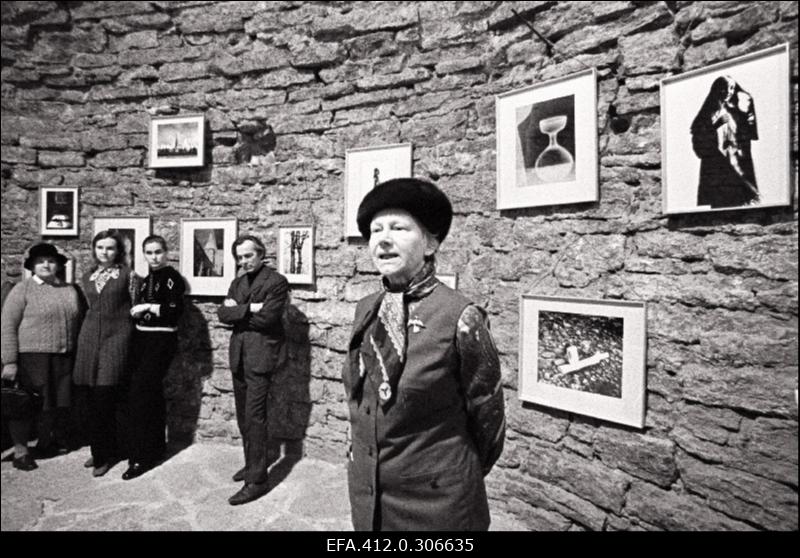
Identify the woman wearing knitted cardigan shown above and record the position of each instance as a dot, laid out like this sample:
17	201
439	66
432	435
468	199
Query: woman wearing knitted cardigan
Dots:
101	361
40	321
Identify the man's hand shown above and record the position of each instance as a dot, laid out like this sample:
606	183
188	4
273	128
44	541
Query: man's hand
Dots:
229	302
256	306
9	371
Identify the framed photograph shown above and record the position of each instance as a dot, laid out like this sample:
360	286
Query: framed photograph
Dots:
365	167
584	356
133	231
449	279
296	254
207	261
547	143
725	135
177	141
66	274
58	211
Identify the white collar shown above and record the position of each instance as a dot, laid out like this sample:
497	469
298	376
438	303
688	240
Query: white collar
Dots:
38	280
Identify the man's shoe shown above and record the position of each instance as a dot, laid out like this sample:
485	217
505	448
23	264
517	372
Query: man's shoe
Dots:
238	476
136	470
25	463
248	493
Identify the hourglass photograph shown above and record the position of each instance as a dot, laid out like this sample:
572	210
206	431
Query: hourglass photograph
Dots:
584	356
547	143
546	135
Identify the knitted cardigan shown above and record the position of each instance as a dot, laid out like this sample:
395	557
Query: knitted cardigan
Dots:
39	318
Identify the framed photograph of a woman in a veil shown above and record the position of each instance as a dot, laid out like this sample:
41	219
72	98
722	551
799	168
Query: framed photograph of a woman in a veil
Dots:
725	135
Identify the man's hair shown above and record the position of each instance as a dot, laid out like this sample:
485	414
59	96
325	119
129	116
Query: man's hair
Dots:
254	239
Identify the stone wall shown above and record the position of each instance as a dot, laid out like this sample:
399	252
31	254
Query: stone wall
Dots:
287	87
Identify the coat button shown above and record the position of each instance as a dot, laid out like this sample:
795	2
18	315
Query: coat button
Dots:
367	411
369	452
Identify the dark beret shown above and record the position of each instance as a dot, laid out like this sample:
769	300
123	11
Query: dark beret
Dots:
43	250
420	198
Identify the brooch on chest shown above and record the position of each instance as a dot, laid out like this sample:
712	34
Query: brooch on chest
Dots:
415	324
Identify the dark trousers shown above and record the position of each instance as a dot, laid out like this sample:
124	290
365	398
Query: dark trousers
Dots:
250	393
147	409
103	407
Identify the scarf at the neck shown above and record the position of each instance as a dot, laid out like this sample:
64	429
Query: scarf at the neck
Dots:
387	334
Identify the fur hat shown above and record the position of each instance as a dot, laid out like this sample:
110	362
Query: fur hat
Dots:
43	250
422	199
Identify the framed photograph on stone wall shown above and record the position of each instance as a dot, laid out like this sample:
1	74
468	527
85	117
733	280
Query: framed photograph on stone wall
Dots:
207	262
66	273
58	210
449	279
365	167
177	141
132	230
546	138
584	356
725	135
296	254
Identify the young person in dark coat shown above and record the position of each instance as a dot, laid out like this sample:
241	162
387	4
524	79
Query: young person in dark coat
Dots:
255	306
159	304
422	377
102	357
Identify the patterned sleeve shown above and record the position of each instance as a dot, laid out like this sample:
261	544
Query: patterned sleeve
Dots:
481	383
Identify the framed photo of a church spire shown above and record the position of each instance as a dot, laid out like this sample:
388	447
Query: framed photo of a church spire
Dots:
207	261
177	141
366	167
546	138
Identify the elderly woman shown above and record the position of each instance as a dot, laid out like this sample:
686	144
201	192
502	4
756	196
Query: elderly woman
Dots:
101	360
40	322
422	377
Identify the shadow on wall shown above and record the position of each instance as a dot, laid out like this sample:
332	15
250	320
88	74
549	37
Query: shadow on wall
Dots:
289	405
184	383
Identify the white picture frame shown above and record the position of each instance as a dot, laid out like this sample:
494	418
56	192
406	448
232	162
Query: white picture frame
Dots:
364	168
584	356
177	141
710	165
207	261
296	254
133	231
58	210
546	136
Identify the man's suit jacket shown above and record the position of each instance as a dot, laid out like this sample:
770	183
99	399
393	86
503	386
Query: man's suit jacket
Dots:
258	338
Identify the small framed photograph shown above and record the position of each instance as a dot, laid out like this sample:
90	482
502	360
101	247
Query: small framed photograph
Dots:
58	211
66	274
133	231
547	143
365	167
296	254
449	279
177	141
725	135
207	262
584	356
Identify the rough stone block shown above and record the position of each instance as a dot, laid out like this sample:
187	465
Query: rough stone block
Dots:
61	159
651	459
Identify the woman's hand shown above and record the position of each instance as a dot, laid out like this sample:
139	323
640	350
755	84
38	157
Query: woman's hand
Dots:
9	371
139	309
229	302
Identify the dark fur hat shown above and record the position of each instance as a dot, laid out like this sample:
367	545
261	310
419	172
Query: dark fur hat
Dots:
43	250
422	199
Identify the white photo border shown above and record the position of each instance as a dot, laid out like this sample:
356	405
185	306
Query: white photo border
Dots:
68	231
157	162
629	409
585	187
208	286
297	278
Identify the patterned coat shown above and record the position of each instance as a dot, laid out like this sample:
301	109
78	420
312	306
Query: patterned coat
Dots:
105	338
